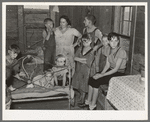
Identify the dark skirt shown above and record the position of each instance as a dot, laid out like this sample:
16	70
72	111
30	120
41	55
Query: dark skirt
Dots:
104	80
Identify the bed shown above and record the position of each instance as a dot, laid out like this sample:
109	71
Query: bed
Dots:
37	93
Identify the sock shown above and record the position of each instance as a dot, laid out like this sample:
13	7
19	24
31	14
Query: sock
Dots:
87	102
92	107
72	93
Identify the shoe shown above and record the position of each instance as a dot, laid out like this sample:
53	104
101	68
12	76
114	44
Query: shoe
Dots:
83	105
93	107
72	102
12	88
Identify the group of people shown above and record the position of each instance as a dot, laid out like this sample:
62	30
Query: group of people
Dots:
97	59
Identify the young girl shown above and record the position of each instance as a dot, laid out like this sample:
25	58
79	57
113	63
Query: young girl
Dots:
115	66
49	44
83	57
96	34
60	71
103	52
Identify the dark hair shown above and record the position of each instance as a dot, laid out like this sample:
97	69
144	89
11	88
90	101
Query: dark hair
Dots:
46	20
113	34
66	18
91	17
86	36
14	48
105	35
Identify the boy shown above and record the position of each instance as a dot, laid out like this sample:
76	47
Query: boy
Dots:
12	66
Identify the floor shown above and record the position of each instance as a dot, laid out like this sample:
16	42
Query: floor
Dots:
47	105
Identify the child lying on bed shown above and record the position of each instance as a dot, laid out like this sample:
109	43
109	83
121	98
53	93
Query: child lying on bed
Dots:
46	80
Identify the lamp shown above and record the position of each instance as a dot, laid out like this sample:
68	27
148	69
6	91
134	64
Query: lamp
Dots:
55	9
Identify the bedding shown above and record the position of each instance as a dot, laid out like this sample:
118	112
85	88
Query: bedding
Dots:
22	92
37	92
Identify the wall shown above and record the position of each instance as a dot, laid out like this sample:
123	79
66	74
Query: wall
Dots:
104	18
139	44
76	14
11	25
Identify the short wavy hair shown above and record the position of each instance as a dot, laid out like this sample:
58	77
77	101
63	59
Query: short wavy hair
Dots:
66	18
91	17
15	48
112	35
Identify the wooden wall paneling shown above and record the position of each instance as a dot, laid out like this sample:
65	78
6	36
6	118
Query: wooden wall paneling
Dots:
117	13
21	28
132	39
112	18
51	13
33	19
11	25
104	18
79	13
11	21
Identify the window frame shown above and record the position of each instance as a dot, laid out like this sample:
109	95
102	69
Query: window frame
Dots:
122	20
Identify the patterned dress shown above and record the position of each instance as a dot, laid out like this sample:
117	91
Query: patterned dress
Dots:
96	33
64	44
81	76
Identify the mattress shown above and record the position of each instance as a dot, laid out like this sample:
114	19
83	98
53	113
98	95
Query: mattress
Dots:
37	92
22	92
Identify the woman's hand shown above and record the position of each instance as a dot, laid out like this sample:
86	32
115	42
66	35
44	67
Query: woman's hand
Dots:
83	61
79	41
97	76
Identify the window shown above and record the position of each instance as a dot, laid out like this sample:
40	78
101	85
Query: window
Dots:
36	6
125	20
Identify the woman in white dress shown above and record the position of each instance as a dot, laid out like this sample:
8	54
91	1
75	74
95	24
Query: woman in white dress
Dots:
64	36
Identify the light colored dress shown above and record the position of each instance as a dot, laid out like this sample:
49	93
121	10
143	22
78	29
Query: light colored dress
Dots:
64	44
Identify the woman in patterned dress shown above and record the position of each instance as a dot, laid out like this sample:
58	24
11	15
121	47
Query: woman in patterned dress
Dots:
64	36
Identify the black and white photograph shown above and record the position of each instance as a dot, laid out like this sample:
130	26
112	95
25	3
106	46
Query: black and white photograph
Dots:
74	61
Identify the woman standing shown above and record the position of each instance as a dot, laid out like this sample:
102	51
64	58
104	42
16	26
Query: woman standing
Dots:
64	36
89	22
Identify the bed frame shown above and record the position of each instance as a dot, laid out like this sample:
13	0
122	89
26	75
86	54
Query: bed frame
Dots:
55	97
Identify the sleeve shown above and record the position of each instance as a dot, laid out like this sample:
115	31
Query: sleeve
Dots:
84	30
98	34
44	34
90	59
65	71
76	33
106	50
122	54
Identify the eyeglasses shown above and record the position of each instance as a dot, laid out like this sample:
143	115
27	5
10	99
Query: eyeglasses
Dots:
86	40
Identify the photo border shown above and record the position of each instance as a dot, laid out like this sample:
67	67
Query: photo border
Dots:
74	114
